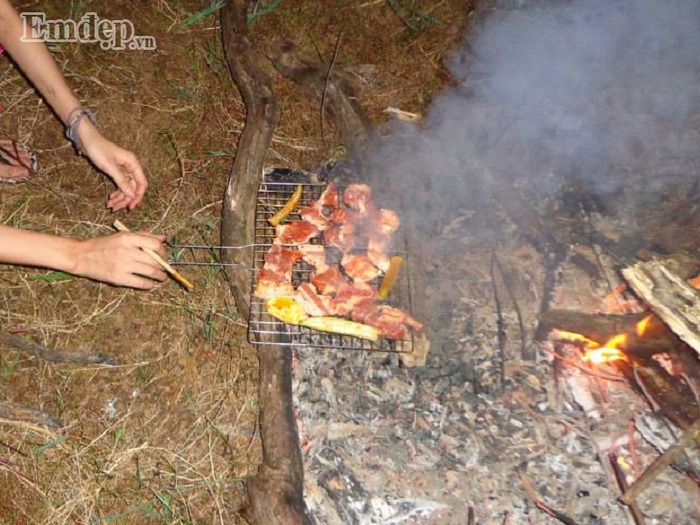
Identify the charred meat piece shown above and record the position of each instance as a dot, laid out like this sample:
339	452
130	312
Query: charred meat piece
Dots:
392	322
328	282
349	295
314	255
297	232
314	214
281	260
310	300
358	197
273	284
275	277
329	197
341	236
359	268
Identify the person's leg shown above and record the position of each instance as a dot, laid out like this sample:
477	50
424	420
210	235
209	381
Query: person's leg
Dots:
17	161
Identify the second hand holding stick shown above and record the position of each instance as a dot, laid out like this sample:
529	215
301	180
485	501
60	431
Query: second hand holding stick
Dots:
119	225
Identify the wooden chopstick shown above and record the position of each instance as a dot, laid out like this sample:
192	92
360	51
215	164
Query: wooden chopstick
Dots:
119	225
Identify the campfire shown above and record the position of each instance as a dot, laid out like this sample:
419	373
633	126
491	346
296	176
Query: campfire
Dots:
660	364
539	162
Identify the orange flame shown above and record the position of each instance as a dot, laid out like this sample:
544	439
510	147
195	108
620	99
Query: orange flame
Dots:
595	353
602	355
643	325
608	352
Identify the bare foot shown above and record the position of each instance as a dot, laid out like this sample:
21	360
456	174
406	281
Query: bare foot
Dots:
17	161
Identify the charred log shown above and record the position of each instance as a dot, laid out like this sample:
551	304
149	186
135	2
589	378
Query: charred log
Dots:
672	394
276	491
333	87
602	327
672	298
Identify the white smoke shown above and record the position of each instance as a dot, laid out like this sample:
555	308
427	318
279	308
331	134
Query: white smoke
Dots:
553	93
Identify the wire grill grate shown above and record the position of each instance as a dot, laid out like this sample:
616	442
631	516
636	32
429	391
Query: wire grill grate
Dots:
265	329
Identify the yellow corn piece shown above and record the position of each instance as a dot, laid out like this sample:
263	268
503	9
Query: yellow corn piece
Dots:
287	208
390	276
286	310
338	325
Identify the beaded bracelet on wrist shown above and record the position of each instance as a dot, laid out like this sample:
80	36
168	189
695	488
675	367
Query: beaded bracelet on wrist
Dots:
74	118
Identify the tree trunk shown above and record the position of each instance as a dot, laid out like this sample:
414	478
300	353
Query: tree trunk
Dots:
276	492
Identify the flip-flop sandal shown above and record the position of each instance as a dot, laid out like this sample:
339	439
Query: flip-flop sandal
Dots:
10	155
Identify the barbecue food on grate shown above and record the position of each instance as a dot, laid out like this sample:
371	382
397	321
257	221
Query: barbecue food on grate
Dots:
390	275
314	255
350	295
329	197
391	322
275	277
314	213
286	310
358	197
350	272
359	268
328	282
338	325
287	208
297	232
311	301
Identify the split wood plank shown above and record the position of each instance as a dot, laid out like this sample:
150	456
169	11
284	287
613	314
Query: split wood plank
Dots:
672	298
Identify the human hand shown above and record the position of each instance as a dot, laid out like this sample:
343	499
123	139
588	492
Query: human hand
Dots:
119	164
118	259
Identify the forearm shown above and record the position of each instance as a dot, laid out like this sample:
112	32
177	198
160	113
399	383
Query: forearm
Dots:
36	62
30	248
117	259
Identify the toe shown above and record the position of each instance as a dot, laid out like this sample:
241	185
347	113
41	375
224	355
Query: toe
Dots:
13	173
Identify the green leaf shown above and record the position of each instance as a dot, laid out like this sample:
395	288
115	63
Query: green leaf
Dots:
213	8
40	450
262	11
53	277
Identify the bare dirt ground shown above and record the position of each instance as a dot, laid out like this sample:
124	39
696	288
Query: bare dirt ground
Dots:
167	434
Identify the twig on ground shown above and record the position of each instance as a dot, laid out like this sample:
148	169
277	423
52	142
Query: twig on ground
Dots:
622	482
53	356
540	504
500	322
661	463
554	513
325	87
524	351
33	416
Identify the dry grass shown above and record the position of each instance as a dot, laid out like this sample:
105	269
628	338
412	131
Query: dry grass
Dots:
166	435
